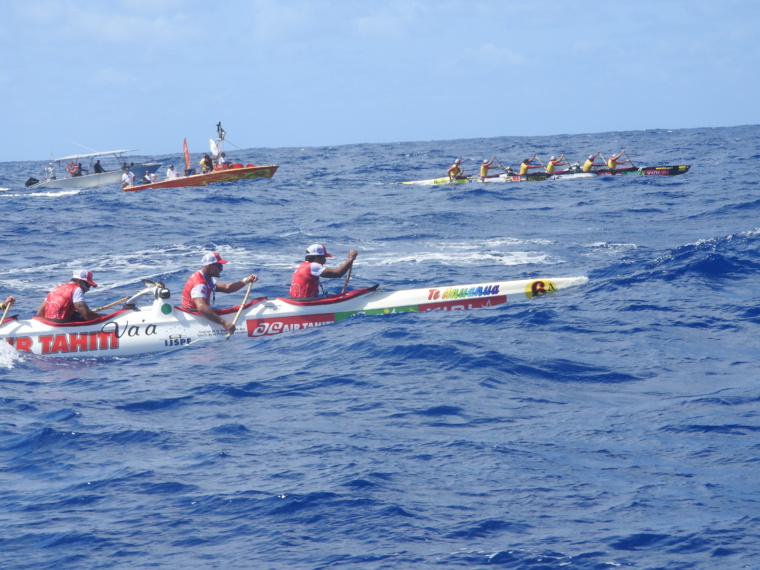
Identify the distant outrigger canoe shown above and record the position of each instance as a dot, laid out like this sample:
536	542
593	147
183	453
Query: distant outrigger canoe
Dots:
160	326
569	174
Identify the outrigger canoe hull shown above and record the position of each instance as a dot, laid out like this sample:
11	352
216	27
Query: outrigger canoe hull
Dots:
231	174
162	327
500	178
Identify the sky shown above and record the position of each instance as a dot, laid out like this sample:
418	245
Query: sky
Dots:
82	75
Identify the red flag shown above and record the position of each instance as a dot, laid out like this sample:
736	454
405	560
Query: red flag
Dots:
187	156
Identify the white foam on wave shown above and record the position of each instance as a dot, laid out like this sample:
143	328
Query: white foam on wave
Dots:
41	194
8	356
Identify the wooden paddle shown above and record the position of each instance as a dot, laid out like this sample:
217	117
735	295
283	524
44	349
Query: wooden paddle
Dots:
348	277
109	305
240	310
629	158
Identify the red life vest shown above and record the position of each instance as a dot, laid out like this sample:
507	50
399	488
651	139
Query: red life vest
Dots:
196	278
59	304
304	283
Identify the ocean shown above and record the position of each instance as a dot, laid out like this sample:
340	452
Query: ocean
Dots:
609	425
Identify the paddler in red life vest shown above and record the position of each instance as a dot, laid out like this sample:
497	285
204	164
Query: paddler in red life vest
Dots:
199	290
554	162
66	303
613	161
455	171
306	278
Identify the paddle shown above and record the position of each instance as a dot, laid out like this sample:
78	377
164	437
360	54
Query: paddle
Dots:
347	279
629	158
240	310
109	305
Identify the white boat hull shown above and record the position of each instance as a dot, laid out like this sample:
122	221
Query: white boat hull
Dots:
95	180
161	327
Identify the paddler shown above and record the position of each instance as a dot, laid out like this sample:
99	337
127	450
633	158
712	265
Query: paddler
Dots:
200	289
306	278
590	163
554	162
486	166
612	162
66	303
526	165
455	170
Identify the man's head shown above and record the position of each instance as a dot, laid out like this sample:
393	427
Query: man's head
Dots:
316	251
84	279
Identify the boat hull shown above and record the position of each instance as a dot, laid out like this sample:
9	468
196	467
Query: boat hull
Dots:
249	172
162	327
95	180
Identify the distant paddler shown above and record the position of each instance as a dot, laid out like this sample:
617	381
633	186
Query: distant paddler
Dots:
590	163
200	289
527	165
455	171
613	161
486	166
554	162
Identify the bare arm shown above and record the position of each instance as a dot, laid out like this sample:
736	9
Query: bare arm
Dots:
205	309
85	311
343	269
237	285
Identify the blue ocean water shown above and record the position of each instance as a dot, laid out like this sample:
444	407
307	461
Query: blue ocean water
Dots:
610	425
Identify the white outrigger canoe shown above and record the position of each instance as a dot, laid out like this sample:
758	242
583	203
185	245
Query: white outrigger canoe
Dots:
159	326
502	178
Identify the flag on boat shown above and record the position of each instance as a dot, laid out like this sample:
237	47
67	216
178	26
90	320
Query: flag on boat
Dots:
214	148
187	155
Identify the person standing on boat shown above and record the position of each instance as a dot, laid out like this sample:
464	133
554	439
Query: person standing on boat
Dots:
486	166
50	172
206	164
128	178
306	278
590	163
554	162
66	303
201	288
526	165
613	161
97	167
455	170
171	174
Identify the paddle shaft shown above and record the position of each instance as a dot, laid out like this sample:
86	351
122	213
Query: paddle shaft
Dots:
240	310
348	277
5	314
109	305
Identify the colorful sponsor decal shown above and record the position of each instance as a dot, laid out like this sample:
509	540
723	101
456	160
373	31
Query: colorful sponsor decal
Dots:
68	342
463	293
279	325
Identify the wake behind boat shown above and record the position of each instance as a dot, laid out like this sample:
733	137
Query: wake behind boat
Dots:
69	172
158	326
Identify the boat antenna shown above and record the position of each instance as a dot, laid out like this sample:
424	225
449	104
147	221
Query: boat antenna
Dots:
88	148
